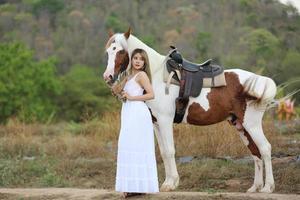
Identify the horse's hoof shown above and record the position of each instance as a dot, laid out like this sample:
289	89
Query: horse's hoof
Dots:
268	188
165	188
170	184
254	188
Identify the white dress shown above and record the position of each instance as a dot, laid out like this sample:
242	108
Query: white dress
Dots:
136	163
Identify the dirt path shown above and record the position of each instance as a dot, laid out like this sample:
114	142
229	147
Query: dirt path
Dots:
93	194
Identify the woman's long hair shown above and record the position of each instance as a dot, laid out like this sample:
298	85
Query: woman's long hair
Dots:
146	67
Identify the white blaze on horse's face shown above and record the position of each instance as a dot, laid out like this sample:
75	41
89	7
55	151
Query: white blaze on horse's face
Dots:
111	53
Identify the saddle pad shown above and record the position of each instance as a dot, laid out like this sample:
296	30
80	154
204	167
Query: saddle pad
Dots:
219	80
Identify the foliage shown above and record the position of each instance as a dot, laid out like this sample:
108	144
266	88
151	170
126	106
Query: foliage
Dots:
149	40
114	23
290	65
261	42
27	87
7	7
290	72
52	6
203	42
84	94
259	36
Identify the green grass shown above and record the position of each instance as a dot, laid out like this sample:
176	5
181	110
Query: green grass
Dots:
36	173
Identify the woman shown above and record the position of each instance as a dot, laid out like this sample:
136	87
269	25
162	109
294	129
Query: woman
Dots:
136	163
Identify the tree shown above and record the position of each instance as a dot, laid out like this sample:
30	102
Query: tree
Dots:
203	42
262	43
114	23
52	6
27	87
84	95
290	72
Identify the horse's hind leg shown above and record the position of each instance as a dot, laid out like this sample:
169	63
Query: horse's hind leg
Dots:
258	163
164	135
247	140
257	141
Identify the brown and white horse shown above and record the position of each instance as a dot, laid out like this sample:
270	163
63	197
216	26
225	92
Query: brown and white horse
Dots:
243	100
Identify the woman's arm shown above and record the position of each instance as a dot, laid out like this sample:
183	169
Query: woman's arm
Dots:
144	81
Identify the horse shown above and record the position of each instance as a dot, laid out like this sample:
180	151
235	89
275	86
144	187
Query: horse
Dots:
243	101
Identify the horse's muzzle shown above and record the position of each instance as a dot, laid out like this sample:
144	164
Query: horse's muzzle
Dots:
109	81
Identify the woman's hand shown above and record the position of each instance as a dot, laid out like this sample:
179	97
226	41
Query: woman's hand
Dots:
126	95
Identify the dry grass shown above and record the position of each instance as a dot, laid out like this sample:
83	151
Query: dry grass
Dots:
98	137
83	155
211	141
217	140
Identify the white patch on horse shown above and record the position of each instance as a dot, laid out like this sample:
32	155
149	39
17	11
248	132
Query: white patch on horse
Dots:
112	52
257	86
120	38
201	99
243	75
244	138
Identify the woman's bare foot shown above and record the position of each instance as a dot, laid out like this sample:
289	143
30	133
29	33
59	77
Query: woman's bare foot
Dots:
131	194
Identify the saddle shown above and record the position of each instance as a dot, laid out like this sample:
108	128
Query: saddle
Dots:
191	78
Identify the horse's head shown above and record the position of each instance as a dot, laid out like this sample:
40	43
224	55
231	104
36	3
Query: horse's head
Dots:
117	56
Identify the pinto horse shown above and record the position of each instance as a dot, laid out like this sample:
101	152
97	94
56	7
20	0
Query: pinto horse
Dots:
243	101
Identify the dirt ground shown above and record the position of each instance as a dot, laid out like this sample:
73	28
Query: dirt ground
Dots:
93	194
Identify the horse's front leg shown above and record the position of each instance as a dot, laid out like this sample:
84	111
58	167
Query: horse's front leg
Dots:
164	134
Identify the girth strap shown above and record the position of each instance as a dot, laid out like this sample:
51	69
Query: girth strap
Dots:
183	99
170	78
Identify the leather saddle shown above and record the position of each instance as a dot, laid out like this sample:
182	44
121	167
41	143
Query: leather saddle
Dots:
207	69
190	78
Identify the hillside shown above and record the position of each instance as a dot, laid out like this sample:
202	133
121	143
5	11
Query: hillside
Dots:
261	36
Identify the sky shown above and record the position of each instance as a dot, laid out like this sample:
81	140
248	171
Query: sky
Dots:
296	3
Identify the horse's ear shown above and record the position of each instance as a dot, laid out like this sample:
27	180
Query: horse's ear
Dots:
127	34
110	33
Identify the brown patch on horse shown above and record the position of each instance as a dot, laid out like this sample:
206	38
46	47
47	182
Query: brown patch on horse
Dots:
121	61
152	116
110	33
127	34
252	146
223	101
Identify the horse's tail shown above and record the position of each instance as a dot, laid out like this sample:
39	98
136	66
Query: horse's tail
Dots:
260	88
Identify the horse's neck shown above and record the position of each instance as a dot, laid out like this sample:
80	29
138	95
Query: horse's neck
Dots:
156	60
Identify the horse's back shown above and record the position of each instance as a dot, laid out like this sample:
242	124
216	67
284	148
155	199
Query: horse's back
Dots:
243	75
261	87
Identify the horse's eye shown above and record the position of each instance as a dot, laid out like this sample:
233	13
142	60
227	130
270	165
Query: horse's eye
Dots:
114	48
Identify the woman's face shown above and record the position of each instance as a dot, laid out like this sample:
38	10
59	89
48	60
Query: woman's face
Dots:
137	61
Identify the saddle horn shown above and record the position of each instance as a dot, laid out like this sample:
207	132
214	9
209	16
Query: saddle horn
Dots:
172	47
175	54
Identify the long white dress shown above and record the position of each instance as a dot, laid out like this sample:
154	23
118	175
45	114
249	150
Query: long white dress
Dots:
136	163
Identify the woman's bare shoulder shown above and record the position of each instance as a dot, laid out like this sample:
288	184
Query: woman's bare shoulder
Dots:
143	75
